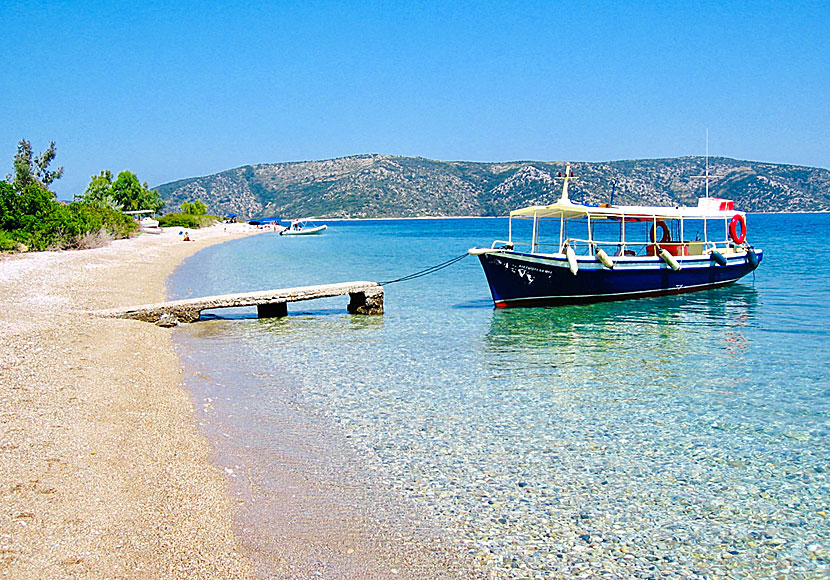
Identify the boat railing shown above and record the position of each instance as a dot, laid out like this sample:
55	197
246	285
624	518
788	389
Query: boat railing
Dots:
585	247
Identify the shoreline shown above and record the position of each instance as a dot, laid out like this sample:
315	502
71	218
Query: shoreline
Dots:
105	473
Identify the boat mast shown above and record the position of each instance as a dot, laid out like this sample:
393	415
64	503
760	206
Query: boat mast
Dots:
706	177
706	173
705	229
567	177
707	162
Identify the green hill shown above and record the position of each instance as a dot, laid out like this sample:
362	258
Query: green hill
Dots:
365	186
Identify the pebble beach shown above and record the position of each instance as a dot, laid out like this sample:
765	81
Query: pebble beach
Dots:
104	474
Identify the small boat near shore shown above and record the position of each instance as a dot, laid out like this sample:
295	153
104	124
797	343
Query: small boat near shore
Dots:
577	253
146	224
149	225
303	228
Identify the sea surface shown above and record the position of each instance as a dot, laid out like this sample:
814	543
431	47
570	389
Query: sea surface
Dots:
675	437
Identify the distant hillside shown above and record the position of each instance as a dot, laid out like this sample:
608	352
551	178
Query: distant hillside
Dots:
366	186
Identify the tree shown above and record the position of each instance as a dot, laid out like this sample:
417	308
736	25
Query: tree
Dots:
132	195
196	208
30	172
25	209
99	191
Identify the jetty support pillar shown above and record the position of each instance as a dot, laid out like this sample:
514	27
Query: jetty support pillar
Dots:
368	301
272	310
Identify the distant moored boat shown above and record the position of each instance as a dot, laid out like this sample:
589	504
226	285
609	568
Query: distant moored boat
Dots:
303	228
145	223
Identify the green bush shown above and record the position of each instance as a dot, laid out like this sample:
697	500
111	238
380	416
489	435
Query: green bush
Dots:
186	220
7	242
195	208
179	220
80	220
89	219
34	218
22	210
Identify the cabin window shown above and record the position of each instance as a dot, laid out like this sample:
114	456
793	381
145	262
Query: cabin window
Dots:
606	235
521	233
576	232
547	236
637	235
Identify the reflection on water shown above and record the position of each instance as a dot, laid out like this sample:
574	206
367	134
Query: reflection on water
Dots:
617	322
240	325
638	343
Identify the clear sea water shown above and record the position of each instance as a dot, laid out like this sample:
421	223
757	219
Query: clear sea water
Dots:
676	437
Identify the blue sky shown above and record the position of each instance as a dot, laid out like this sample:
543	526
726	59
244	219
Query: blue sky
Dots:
172	90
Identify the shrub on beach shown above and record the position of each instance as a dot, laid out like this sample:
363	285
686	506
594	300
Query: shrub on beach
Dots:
194	208
7	242
92	240
179	220
187	220
33	218
87	226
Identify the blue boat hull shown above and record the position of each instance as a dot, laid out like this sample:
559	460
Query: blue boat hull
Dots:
518	279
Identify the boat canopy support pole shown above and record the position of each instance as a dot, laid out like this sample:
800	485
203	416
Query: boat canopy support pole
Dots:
622	236
534	241
591	249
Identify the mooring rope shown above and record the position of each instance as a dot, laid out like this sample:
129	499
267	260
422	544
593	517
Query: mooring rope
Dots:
427	271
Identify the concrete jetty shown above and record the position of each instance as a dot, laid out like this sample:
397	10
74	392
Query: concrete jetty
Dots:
364	298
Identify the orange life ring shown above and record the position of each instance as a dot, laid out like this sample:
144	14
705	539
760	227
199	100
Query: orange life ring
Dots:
733	228
666	237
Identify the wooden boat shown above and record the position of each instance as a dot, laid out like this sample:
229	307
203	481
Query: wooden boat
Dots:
577	252
303	228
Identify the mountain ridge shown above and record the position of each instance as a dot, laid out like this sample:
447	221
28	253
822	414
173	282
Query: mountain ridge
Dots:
377	185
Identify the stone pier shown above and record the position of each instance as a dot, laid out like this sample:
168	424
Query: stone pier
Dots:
364	298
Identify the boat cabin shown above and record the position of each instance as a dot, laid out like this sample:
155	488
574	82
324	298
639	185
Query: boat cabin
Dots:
626	230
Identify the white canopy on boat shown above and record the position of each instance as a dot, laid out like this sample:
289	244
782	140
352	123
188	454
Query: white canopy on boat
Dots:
711	207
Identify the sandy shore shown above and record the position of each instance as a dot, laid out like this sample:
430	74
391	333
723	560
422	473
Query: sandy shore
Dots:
104	474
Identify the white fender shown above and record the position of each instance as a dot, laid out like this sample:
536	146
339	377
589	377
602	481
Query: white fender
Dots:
604	258
669	259
480	251
572	264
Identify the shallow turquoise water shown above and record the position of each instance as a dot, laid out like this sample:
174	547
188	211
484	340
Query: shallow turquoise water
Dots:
671	437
